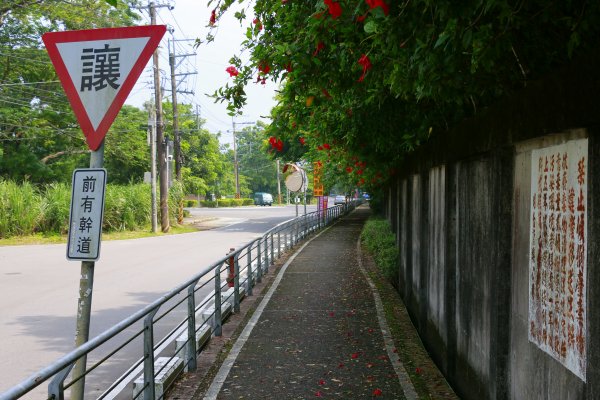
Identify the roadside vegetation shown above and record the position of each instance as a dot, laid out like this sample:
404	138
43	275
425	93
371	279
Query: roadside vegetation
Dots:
29	210
380	241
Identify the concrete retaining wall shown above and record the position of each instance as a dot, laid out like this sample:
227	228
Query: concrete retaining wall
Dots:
498	255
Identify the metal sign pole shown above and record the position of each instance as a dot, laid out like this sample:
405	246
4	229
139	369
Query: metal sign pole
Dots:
84	304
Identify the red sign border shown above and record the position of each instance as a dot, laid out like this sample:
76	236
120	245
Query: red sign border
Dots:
94	137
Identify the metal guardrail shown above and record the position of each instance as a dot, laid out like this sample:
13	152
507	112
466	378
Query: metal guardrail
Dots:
240	268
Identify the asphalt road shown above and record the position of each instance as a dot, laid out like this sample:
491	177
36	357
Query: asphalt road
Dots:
39	287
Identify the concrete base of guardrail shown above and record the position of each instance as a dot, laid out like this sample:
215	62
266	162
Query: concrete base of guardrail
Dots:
207	315
164	379
202	338
227	296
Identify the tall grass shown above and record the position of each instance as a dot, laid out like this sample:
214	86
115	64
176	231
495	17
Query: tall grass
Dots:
20	209
56	207
127	207
380	241
25	210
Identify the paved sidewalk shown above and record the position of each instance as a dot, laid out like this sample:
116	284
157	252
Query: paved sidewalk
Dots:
316	333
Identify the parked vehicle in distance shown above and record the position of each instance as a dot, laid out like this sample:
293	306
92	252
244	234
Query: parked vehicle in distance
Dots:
339	199
366	196
263	199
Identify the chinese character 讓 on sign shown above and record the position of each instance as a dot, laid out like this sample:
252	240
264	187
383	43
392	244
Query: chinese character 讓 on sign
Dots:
100	68
87	207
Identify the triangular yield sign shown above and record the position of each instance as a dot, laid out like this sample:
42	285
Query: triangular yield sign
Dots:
98	68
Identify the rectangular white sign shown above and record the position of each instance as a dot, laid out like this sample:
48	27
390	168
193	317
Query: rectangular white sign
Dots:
87	209
558	253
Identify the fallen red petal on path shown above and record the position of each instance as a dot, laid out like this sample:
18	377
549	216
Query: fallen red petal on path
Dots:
377	392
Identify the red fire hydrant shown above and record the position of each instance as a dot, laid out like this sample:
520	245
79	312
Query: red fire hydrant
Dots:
231	274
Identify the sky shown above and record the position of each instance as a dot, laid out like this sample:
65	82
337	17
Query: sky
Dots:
189	20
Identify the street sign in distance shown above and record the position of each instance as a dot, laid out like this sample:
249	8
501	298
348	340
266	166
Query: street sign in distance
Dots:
98	68
87	209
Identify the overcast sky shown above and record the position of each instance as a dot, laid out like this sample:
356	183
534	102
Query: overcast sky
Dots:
189	19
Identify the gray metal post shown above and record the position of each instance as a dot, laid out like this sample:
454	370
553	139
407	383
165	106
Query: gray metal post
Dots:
84	304
218	321
249	274
258	262
267	260
236	284
149	356
191	329
272	258
279	244
56	388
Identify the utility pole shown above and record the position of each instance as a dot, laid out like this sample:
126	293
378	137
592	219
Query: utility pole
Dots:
176	133
152	127
235	164
160	139
235	158
278	184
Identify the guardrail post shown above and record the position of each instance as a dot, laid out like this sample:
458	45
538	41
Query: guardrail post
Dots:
56	389
191	328
272	258
249	274
279	244
218	322
149	356
258	262
236	284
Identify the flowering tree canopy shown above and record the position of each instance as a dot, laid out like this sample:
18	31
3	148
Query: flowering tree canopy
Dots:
373	79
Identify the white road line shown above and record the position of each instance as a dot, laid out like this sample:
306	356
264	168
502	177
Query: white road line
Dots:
403	378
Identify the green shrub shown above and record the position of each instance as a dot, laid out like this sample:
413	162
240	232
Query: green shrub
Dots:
56	208
191	203
380	241
225	202
208	203
20	209
247	202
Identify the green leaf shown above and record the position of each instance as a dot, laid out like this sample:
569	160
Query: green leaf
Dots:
371	27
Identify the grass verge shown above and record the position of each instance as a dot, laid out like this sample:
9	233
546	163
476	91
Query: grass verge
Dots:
55	238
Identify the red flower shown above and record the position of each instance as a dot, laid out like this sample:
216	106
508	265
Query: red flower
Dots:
366	64
326	93
264	67
320	148
302	141
213	17
355	355
377	392
361	18
320	46
232	71
378	3
418	370
349	170
319	394
334	8
326	146
321	382
257	23
288	67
